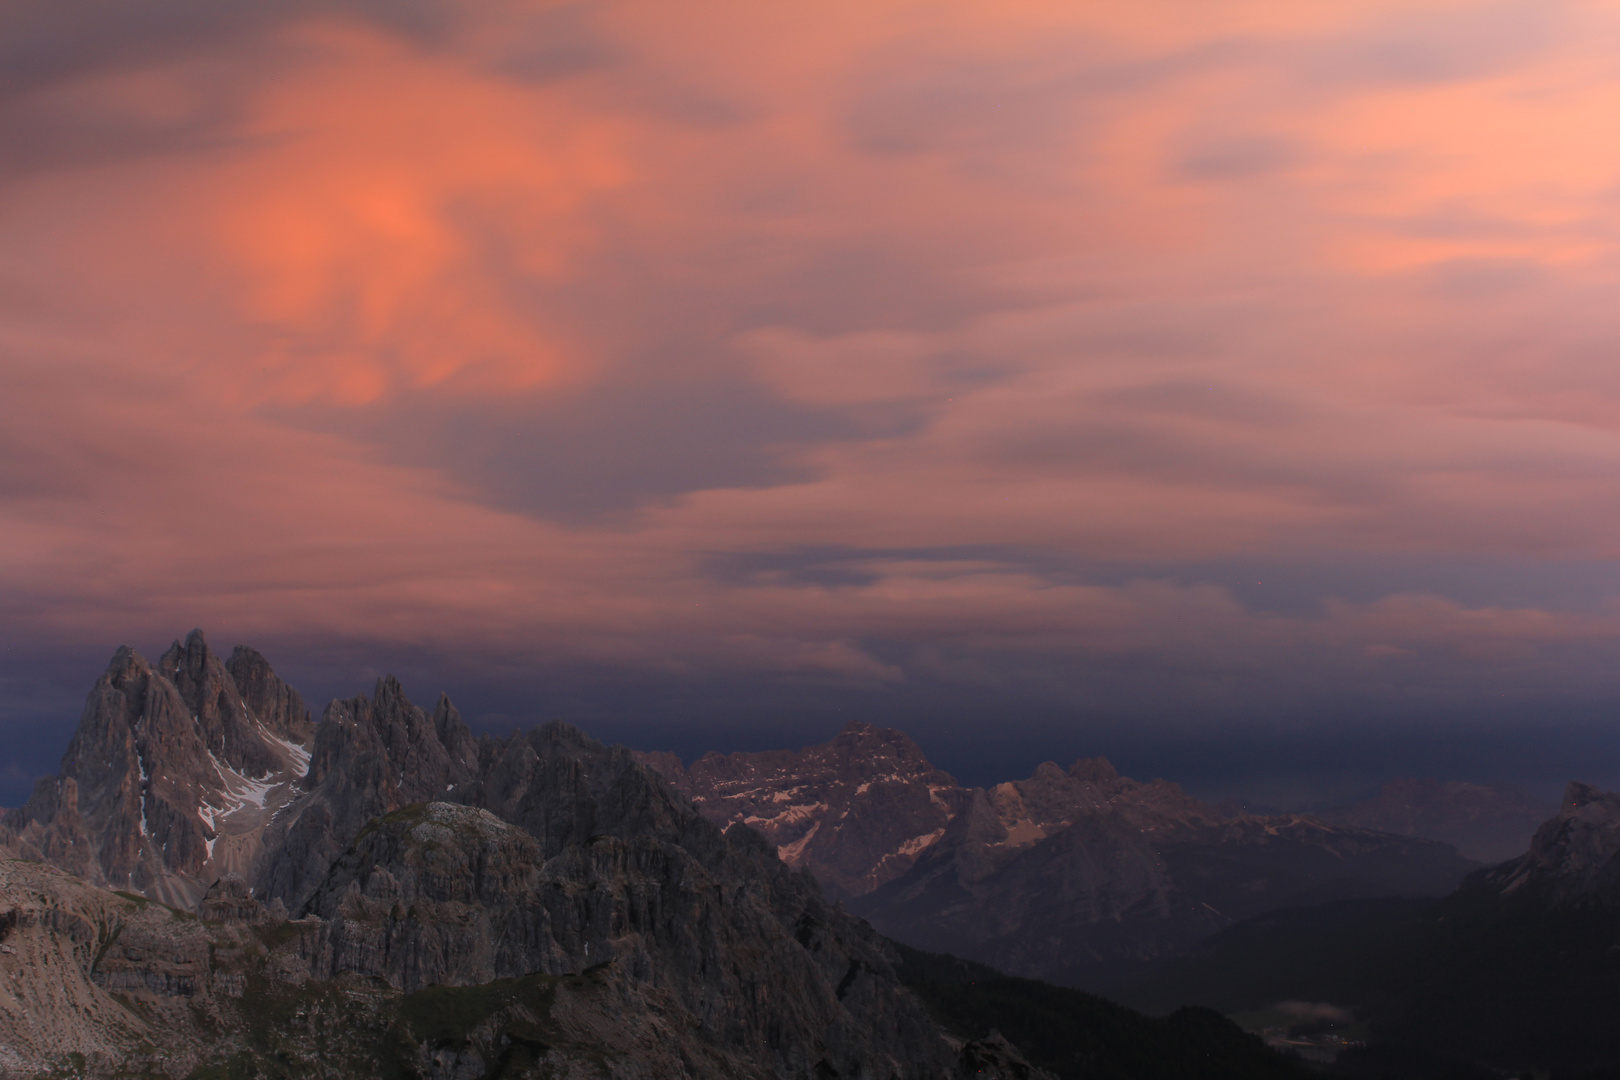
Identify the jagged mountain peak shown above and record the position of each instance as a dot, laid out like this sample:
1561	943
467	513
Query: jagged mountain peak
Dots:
1574	857
278	706
855	810
170	776
125	658
192	652
879	745
1489	822
1590	804
1045	874
562	733
1097	770
371	756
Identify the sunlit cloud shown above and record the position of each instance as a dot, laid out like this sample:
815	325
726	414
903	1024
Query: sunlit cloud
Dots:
565	332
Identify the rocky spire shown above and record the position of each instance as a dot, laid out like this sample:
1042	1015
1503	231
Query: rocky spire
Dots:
278	706
371	756
166	760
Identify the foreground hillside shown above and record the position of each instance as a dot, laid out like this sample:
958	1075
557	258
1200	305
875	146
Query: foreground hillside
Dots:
105	984
1078	1036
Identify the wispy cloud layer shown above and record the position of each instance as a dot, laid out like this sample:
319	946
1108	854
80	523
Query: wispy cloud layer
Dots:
863	344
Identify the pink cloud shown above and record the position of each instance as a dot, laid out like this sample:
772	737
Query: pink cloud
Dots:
1153	284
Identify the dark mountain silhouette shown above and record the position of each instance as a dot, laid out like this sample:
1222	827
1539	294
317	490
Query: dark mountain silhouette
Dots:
1518	969
1079	1036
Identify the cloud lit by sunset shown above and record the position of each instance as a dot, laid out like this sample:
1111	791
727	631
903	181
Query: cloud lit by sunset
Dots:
1165	365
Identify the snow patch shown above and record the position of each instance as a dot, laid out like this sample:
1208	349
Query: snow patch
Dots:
240	792
791	816
791	853
298	755
919	843
144	781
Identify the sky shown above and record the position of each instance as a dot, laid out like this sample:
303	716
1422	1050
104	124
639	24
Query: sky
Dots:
1228	388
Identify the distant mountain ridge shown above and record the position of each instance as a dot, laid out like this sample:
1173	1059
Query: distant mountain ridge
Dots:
382	893
1057	876
1487	822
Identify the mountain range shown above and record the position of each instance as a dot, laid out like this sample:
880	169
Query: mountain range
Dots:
214	885
1355	925
1064	876
569	912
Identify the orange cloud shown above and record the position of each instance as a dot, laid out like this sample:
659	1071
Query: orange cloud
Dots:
968	301
389	208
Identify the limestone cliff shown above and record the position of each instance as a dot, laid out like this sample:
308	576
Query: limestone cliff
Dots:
418	903
172	777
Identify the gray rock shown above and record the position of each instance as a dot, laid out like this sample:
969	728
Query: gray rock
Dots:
855	811
371	756
1066	873
169	780
1048	876
229	900
279	707
1574	857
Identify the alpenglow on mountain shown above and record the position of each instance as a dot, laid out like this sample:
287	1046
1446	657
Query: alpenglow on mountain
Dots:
1062	876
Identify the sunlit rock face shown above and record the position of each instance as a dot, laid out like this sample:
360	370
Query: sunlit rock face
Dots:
172	778
856	811
1051	876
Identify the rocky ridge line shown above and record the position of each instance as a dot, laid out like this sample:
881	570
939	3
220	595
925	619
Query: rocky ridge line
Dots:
1049	877
578	913
172	777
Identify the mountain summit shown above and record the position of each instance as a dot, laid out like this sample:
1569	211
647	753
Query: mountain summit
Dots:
173	776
